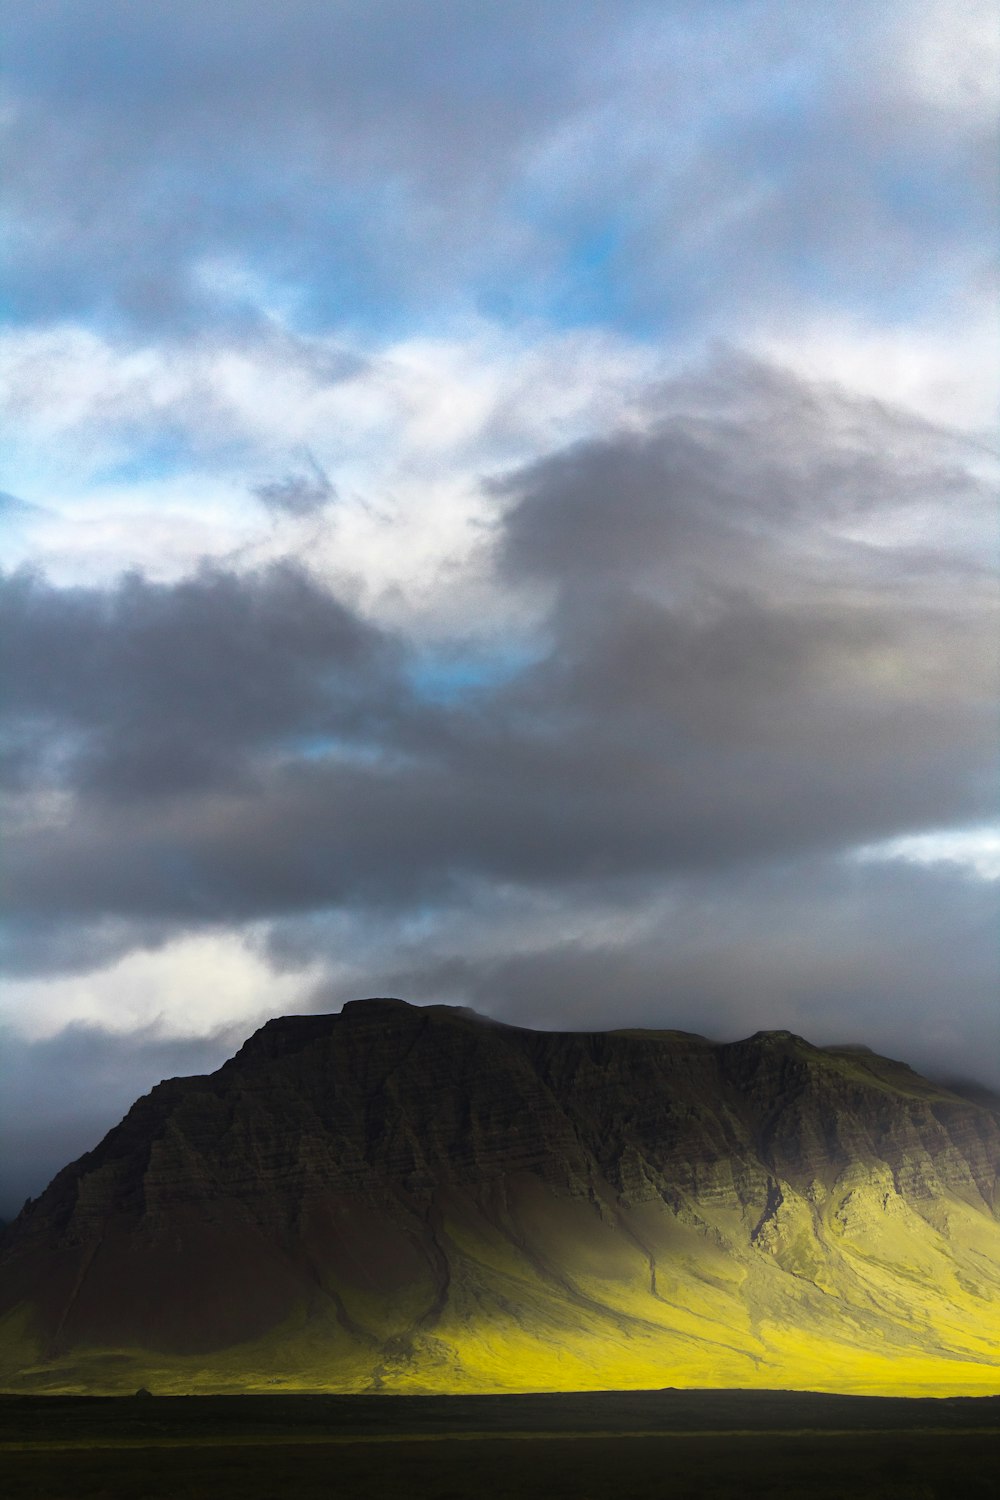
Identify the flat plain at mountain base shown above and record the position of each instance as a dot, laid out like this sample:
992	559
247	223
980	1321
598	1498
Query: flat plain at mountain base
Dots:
630	1445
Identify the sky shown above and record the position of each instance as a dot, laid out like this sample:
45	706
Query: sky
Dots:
499	508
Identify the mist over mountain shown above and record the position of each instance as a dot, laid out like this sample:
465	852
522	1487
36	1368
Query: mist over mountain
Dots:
416	1199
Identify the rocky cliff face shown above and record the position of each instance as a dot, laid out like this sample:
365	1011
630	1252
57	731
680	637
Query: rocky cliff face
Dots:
406	1198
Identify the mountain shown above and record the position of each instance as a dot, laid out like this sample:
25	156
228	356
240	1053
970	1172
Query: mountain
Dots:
417	1199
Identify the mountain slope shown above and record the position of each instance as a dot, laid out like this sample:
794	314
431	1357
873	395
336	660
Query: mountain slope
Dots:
402	1198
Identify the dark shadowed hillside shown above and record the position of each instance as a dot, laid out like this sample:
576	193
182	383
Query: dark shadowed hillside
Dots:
410	1199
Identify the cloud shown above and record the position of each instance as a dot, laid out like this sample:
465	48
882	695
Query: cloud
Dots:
975	851
317	130
744	656
947	373
144	453
151	690
189	984
951	59
357	166
301	494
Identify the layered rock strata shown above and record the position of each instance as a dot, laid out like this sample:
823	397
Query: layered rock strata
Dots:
419	1199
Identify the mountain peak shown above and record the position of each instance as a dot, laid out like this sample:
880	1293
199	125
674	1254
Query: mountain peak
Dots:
778	1038
376	1006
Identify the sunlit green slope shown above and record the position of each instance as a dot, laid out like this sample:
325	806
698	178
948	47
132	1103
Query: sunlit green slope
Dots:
417	1200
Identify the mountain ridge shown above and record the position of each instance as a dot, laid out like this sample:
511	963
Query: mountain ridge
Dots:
419	1198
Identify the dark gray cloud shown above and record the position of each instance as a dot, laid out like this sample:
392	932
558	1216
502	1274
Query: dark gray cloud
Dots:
901	957
741	663
742	482
150	689
54	945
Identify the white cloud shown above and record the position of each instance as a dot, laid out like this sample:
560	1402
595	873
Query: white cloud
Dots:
192	986
947	372
482	391
165	527
406	434
975	851
950	57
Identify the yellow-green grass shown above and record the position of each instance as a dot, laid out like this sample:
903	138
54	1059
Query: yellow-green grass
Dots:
847	1289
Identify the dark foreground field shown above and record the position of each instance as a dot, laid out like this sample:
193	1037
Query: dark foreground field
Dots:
621	1444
